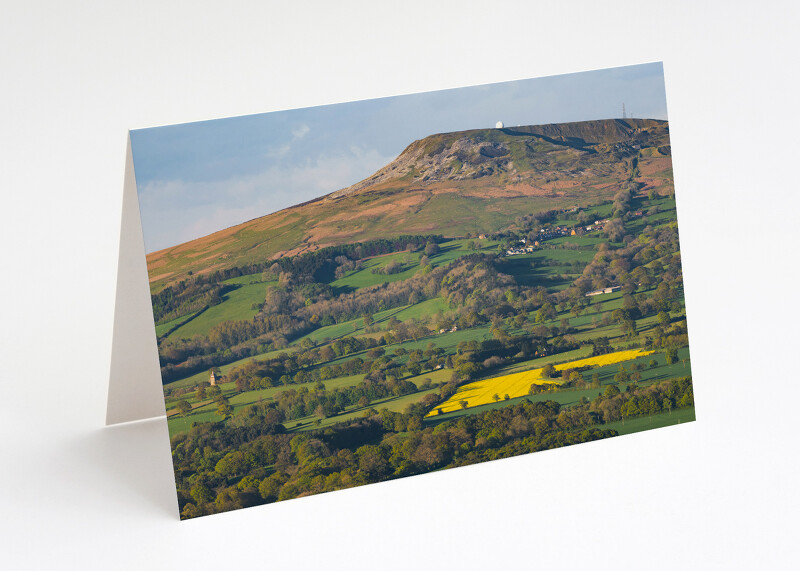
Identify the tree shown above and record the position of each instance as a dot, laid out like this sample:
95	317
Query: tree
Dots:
184	407
201	493
549	371
545	313
628	328
270	487
431	249
393	267
671	355
232	464
225	410
463	404
496	397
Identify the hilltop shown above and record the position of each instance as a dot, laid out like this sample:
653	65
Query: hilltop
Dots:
449	183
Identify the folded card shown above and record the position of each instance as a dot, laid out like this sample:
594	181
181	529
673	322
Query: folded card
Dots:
348	294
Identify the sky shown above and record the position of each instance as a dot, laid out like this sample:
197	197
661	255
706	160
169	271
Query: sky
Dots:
196	178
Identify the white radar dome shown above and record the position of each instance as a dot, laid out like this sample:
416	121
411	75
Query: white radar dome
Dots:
499	125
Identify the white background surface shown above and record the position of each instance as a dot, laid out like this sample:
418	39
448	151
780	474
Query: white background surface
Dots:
717	493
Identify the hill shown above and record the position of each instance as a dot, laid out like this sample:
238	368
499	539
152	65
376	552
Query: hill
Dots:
453	184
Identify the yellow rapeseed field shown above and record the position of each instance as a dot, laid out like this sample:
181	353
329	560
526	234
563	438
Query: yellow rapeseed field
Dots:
518	384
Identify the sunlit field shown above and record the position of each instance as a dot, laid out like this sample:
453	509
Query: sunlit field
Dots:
519	384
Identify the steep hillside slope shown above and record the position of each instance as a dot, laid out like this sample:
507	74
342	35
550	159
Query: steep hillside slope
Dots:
451	184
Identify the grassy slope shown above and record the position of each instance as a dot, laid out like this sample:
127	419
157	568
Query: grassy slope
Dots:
237	305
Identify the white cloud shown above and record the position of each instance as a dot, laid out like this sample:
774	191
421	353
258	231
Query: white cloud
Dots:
176	211
298	133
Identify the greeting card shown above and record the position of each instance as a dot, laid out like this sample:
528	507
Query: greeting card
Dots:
353	293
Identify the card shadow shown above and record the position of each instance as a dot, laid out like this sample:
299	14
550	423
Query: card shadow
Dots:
136	456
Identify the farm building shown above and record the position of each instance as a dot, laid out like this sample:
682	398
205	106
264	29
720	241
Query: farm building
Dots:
611	289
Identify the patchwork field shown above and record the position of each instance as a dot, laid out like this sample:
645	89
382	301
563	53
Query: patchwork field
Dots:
397	327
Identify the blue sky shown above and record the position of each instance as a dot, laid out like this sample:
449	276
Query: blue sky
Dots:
196	178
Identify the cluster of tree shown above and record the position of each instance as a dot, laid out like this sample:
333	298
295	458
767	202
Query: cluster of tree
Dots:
473	359
250	460
652	258
185	298
227	342
534	222
624	197
393	267
640	401
302	402
669	336
299	367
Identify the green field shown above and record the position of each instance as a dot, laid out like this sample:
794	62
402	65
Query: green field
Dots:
365	277
237	305
640	423
586	242
167	326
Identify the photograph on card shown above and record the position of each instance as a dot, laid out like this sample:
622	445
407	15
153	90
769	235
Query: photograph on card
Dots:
353	293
